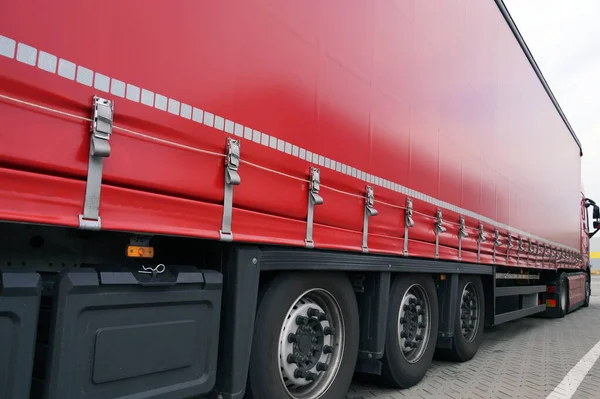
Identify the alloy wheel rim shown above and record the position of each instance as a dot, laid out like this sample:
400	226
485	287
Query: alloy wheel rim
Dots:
414	323
311	344
469	312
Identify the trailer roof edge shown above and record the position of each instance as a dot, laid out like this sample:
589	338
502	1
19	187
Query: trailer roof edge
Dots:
536	68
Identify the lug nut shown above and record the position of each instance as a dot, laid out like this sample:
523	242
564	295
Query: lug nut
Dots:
291	359
299	373
322	317
421	312
412	300
322	366
403	334
402	320
407	344
328	331
414	345
312	312
292	338
327	349
300	320
419	338
311	376
421	325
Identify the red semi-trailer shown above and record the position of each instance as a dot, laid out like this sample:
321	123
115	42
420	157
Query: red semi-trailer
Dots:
262	198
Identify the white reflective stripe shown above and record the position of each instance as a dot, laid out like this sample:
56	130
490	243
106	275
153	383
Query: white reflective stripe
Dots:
219	123
7	47
568	386
66	69
47	62
186	111
197	115
26	54
160	102
229	126
117	88
102	82
173	107
209	118
85	76
147	98
133	93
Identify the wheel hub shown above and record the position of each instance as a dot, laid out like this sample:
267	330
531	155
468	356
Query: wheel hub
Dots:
468	312
310	346
308	341
414	323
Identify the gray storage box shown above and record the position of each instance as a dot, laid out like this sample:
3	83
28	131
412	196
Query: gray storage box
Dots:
19	306
120	333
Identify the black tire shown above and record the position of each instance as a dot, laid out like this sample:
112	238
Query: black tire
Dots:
398	372
264	376
562	289
588	290
465	345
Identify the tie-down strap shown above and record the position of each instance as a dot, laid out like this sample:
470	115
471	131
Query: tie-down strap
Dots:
101	130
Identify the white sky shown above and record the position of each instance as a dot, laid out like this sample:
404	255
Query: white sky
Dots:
564	38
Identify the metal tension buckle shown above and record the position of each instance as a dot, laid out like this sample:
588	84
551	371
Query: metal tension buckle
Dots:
480	239
497	242
369	212
532	251
101	130
462	233
408	223
509	246
232	178
314	198
439	228
520	248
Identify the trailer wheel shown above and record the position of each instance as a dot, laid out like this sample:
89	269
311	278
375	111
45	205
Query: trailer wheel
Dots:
562	288
411	330
305	340
588	291
470	316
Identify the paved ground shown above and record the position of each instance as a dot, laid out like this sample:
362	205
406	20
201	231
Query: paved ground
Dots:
526	358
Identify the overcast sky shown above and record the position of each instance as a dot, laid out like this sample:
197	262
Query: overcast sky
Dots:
564	37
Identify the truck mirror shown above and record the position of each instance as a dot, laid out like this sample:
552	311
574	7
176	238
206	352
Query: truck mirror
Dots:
596	212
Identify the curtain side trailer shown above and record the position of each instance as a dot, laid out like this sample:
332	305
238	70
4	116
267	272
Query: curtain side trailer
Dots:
262	198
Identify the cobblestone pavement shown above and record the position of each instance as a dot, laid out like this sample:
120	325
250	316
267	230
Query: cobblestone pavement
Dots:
526	358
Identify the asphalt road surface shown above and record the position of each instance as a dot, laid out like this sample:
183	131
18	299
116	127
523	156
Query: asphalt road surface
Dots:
527	358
